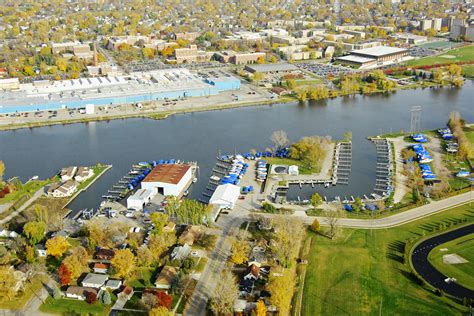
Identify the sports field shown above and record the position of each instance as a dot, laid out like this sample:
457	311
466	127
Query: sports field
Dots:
362	272
462	272
462	54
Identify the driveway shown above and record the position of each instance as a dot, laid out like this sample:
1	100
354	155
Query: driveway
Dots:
24	206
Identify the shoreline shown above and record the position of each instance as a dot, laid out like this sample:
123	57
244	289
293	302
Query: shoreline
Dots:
161	115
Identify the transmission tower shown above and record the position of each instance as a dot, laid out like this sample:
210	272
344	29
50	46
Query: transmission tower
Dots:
415	120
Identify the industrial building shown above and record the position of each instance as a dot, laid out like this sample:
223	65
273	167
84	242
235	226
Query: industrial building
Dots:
114	90
224	197
169	179
139	199
374	57
265	68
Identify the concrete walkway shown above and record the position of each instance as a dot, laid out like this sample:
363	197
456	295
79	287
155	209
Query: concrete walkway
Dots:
35	196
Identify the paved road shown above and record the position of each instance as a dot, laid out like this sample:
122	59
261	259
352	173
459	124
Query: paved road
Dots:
429	273
24	206
231	222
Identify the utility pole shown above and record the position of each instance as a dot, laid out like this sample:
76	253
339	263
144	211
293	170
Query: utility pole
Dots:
415	120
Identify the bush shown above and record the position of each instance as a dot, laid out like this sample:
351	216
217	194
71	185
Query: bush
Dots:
91	297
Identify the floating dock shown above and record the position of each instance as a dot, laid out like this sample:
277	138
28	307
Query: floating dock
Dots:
384	168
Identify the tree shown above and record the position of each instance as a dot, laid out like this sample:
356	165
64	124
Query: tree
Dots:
144	257
239	251
260	308
123	263
91	297
358	205
280	139
310	151
159	221
333	222
159	244
316	200
160	311
291	83
57	246
454	72
7	283
105	297
225	293
34	231
279	285
64	274
316	226
163	300
437	75
2	170
149	300
302	95
77	261
287	239
257	76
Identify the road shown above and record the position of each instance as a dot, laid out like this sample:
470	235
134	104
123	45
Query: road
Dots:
429	273
229	223
24	206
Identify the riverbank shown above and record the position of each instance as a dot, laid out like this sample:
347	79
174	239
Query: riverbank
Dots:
163	113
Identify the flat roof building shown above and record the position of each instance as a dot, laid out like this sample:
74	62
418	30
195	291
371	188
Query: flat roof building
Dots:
225	197
280	67
140	198
169	179
374	57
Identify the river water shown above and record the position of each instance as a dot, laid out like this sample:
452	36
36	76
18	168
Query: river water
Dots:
201	136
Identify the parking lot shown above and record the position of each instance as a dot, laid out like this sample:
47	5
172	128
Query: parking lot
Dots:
324	70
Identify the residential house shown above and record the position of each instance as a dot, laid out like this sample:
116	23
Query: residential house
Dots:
40	250
166	277
67	173
63	190
83	173
113	284
253	273
181	252
79	292
104	254
101	268
94	280
191	234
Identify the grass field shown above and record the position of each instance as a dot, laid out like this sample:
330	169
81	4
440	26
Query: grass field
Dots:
22	299
66	306
452	56
363	272
464	272
288	161
28	188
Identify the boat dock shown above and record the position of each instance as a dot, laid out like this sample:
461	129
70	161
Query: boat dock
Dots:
221	168
342	163
384	168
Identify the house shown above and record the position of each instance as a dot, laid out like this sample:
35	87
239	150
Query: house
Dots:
61	233
113	284
83	173
40	250
190	235
94	280
63	190
67	173
8	234
79	292
126	293
181	252
104	254
166	278
101	268
253	273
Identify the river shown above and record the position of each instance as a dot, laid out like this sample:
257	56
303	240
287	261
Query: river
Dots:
200	136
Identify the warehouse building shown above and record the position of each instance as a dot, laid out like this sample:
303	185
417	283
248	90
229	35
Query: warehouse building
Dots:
169	179
139	87
224	197
140	198
266	68
373	57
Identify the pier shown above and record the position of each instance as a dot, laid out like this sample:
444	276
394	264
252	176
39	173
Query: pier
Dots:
221	168
384	168
342	163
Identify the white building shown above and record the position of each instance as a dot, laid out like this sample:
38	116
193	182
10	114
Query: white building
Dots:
90	108
94	280
169	179
65	189
225	196
83	173
293	170
140	198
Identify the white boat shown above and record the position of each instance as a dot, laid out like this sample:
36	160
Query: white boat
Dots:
186	193
195	180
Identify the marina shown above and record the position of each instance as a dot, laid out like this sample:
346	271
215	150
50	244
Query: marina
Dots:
384	179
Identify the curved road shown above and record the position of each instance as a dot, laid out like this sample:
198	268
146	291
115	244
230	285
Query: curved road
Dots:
424	268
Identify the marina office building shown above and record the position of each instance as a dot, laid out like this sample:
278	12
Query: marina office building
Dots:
140	87
374	57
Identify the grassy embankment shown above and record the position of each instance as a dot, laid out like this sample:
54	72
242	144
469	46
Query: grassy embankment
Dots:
65	306
363	272
464	272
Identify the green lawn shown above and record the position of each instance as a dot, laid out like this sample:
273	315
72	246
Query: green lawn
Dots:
65	306
452	56
143	278
464	272
363	272
21	300
288	161
468	71
28	188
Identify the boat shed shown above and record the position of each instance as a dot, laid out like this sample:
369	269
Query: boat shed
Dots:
140	198
225	196
169	179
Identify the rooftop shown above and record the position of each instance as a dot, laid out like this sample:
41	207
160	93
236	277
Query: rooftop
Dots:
356	59
273	67
379	51
167	173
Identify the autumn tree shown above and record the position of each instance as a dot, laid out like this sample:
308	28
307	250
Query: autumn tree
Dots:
333	223
280	285
315	226
34	231
291	83
2	170
160	311
57	246
64	274
316	200
144	257
260	308
280	139
159	244
239	251
225	293
287	239
7	283
159	221
123	263
91	297
163	299
77	261
454	72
